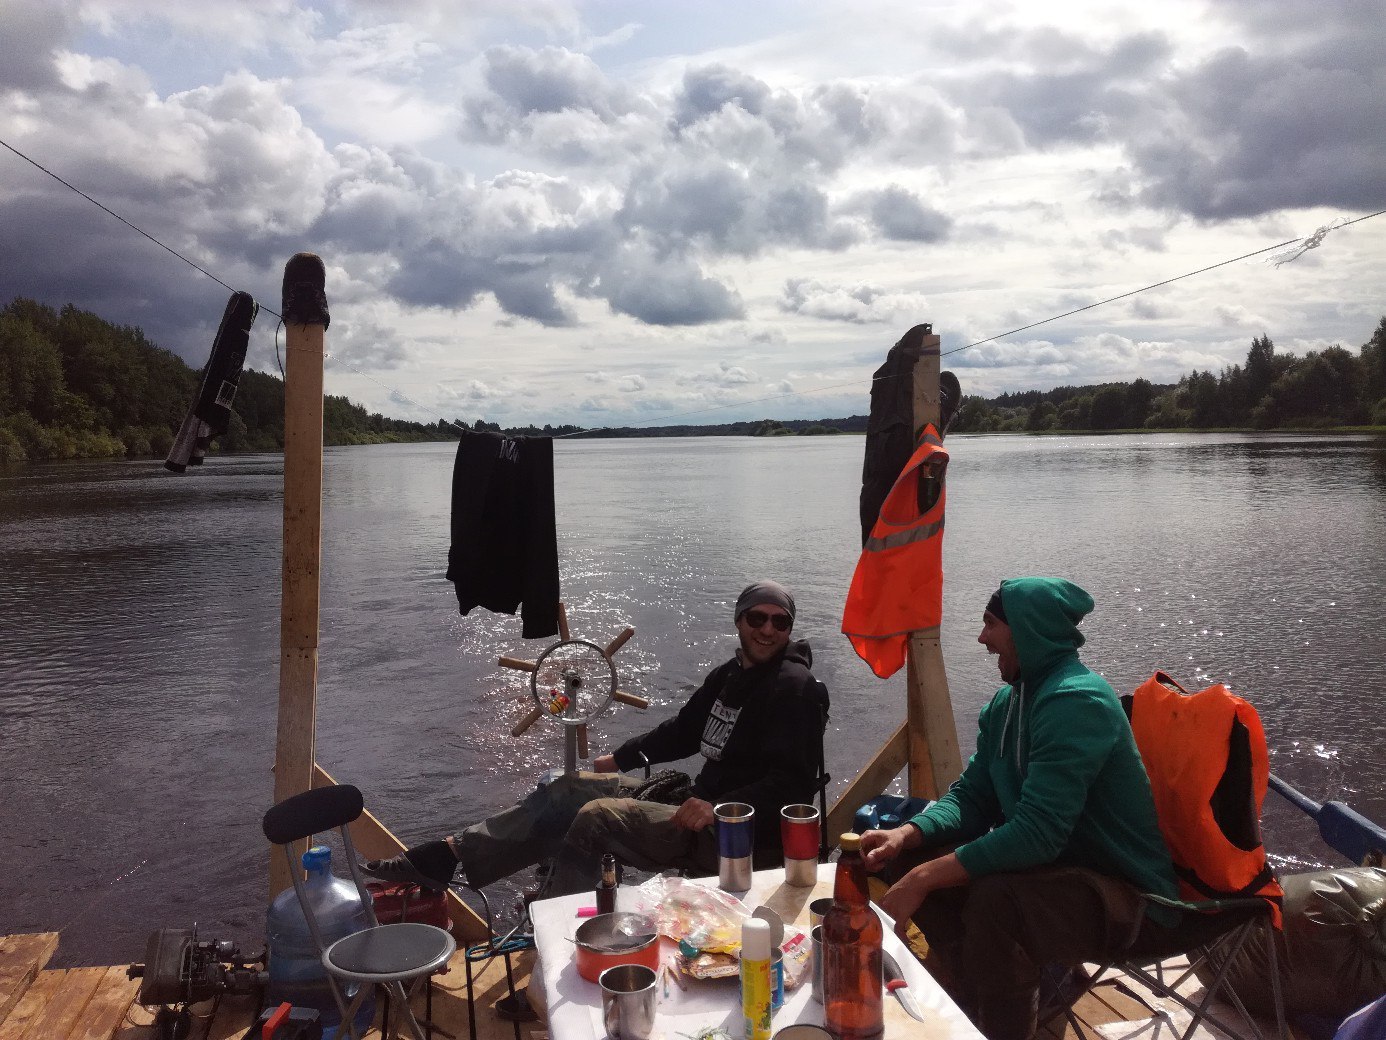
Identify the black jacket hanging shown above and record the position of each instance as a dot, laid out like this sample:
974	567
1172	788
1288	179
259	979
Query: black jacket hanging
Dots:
504	547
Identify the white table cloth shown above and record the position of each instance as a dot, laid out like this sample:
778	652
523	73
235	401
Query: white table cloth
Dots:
574	1005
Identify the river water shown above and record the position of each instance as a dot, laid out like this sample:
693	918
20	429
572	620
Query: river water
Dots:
139	631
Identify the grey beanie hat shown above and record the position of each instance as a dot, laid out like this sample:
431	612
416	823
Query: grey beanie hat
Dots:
758	592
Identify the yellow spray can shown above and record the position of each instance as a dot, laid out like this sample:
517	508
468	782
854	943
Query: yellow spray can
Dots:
757	986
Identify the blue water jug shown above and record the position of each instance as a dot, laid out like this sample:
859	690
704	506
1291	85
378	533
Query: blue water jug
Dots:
296	974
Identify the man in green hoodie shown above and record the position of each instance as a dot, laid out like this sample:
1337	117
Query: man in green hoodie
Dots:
1038	854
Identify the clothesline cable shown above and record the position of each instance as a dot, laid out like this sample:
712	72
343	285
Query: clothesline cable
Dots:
1306	243
1311	242
130	224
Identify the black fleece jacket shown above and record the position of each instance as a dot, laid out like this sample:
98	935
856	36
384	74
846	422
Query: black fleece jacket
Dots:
759	730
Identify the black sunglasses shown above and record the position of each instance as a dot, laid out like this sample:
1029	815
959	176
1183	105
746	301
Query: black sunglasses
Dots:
757	619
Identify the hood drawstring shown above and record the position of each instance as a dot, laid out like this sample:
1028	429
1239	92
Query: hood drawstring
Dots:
1015	708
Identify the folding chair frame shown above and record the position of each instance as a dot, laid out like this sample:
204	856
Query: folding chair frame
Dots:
332	808
1218	953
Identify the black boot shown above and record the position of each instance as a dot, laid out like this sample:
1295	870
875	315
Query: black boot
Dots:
430	865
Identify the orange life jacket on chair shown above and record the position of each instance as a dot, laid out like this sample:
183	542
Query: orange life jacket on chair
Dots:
898	584
1206	757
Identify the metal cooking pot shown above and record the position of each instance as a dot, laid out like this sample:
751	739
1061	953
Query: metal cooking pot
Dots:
607	940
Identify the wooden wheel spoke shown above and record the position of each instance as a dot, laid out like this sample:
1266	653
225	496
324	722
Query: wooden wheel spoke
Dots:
587	684
618	642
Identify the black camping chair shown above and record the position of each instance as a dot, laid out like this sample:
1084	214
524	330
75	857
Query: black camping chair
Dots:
1211	932
388	955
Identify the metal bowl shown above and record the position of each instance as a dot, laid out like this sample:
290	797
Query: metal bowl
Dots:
607	940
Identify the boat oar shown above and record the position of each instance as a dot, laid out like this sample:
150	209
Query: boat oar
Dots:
1342	827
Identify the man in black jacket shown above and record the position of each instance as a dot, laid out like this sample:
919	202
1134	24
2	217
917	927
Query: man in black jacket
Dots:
757	721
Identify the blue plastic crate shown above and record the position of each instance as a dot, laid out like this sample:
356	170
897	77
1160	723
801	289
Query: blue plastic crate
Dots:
878	812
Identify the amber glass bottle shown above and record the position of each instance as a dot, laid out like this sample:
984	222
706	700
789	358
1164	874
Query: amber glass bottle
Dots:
852	977
606	887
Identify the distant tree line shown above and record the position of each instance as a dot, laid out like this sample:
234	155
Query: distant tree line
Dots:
75	386
1322	389
747	428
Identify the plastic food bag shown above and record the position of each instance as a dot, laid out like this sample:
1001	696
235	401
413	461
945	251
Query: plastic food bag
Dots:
707	919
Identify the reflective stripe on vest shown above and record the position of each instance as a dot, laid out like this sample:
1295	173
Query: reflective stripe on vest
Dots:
897	587
1206	757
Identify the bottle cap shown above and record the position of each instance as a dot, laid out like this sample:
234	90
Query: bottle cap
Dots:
850	842
755	939
319	857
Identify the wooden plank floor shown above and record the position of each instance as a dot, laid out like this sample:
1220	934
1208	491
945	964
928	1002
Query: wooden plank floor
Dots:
38	1003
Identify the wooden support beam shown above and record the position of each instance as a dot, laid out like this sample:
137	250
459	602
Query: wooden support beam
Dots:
934	758
871	781
373	840
305	319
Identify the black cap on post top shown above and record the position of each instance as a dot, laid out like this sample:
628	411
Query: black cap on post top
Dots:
304	299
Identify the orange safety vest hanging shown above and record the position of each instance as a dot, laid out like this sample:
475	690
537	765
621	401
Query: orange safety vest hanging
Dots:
1206	756
898	584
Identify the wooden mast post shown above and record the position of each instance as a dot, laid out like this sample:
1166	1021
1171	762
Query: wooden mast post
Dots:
927	742
304	308
935	759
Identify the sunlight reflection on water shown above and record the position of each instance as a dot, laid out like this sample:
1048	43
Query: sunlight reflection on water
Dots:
139	642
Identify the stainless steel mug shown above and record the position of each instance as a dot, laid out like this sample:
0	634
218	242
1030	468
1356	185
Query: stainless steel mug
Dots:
628	1001
736	837
817	938
799	838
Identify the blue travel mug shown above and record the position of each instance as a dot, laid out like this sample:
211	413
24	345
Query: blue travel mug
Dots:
736	833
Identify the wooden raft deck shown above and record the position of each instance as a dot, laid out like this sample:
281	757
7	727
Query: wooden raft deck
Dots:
38	1003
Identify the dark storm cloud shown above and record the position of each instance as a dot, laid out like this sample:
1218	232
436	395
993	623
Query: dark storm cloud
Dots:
707	90
720	205
1285	119
1066	91
902	216
116	274
662	290
522	83
1253	133
30	33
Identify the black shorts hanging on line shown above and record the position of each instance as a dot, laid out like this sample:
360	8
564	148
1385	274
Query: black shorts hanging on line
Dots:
504	549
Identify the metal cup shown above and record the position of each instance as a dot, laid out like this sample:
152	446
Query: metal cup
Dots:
799	837
816	936
777	979
736	833
817	909
628	1001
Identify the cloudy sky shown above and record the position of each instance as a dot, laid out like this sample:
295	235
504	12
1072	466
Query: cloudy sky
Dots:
615	212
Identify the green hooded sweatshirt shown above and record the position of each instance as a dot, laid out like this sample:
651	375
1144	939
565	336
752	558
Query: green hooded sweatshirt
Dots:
1056	779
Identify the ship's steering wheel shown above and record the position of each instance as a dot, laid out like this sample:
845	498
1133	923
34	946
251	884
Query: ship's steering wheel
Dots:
571	683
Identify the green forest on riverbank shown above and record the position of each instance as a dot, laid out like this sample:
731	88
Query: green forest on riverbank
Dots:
75	386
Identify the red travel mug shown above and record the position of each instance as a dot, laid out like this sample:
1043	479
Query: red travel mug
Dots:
799	835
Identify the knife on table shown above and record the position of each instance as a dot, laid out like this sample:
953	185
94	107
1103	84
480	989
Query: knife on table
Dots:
895	983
